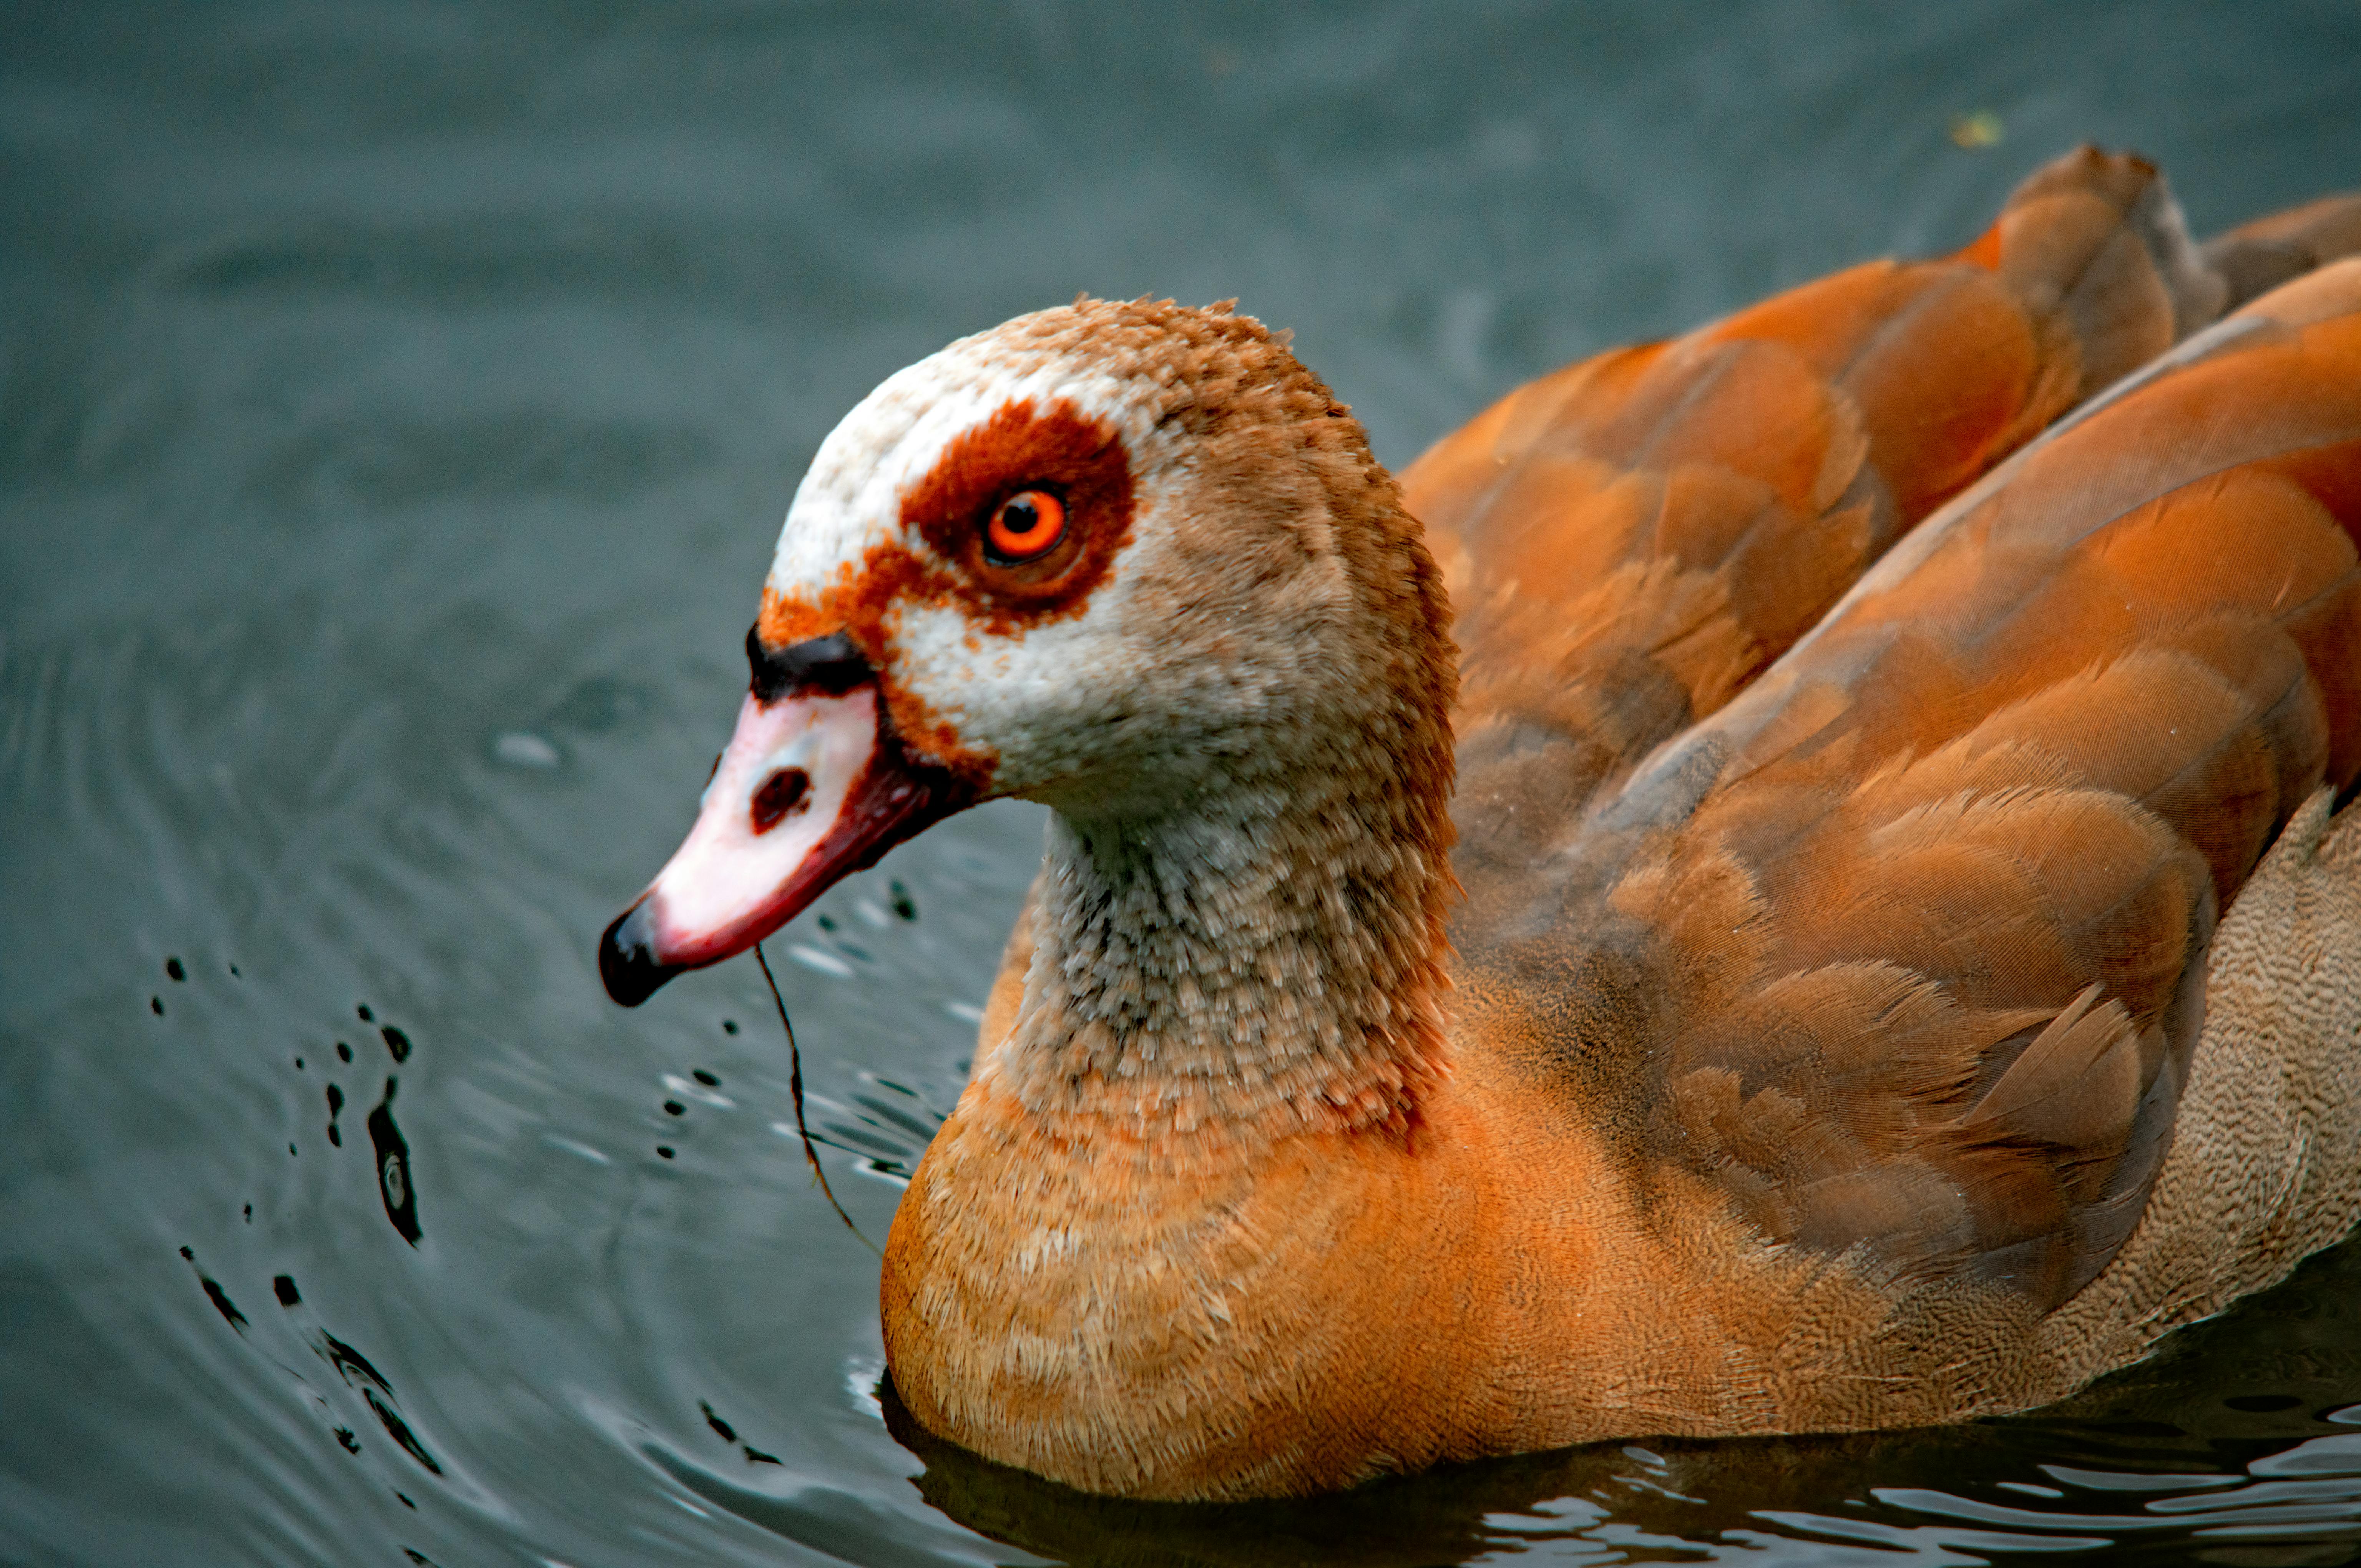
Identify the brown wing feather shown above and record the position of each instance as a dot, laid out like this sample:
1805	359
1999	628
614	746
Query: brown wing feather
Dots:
1910	936
2257	256
1629	540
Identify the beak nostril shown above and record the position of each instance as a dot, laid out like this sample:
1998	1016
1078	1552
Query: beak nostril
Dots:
781	796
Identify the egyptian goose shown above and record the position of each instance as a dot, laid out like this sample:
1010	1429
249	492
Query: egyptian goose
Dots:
1904	967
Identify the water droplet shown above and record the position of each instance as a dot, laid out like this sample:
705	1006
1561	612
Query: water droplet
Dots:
225	1306
393	1181
825	962
523	748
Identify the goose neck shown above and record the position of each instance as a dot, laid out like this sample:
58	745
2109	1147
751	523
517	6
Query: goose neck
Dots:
1263	958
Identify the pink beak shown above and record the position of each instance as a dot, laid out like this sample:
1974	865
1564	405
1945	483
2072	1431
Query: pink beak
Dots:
813	788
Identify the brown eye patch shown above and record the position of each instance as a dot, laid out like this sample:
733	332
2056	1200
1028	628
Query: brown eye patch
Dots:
1058	451
1034	503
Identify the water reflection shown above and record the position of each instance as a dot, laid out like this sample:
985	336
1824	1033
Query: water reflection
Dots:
1934	1497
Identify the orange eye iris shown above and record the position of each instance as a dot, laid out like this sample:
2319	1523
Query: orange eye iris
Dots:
1025	527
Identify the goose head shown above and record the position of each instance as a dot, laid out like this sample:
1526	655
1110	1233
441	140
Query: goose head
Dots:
1114	558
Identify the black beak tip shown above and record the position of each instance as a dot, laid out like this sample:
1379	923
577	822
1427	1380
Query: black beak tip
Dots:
632	974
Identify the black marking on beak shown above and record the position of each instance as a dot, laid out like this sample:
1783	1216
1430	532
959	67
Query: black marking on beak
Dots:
829	665
627	961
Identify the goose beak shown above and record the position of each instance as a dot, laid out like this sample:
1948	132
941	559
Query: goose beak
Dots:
813	788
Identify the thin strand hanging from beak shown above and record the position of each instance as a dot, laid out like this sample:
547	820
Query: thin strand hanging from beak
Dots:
795	1091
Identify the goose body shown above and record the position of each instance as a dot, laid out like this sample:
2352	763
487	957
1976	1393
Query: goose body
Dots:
1855	932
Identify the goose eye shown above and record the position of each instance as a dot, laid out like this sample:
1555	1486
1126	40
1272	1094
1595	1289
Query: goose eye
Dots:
1025	527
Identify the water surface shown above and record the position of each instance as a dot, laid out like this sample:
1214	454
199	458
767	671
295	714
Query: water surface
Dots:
396	404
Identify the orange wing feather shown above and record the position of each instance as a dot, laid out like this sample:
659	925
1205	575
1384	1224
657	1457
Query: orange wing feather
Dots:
1630	540
1908	941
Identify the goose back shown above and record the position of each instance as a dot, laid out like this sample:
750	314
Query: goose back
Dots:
1630	540
1905	949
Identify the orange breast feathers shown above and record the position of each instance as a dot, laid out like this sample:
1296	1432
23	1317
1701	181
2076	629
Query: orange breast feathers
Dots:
1921	919
1630	540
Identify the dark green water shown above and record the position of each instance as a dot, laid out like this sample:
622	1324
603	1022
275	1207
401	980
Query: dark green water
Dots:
396	405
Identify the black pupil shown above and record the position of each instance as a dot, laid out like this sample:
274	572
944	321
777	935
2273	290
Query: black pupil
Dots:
1023	517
